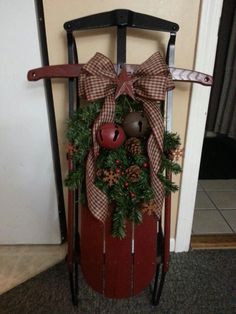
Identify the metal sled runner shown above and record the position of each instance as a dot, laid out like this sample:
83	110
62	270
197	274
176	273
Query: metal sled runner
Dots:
117	268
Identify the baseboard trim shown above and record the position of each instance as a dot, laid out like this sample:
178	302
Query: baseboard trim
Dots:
172	245
213	241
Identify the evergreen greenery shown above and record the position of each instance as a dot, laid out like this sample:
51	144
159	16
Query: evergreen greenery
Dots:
126	196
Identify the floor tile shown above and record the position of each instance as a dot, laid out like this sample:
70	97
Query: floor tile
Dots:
199	186
209	222
223	199
203	201
218	185
230	217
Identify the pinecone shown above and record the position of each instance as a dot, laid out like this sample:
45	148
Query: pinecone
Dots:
133	173
149	207
110	177
133	146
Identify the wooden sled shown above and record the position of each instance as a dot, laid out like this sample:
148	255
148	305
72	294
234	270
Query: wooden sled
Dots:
119	268
116	268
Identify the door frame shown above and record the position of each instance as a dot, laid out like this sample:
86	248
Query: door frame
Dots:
210	13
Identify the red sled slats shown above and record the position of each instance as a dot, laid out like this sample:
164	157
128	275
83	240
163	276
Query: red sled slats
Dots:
91	244
118	263
117	273
145	248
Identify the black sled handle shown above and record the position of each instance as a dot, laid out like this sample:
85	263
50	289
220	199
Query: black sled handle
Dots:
122	18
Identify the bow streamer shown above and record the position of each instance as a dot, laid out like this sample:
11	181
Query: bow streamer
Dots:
149	83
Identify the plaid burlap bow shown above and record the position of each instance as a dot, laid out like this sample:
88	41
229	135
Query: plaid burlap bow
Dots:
148	84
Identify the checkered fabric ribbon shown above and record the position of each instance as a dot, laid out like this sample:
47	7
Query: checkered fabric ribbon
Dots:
149	84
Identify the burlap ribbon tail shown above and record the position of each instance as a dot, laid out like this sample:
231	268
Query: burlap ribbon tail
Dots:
149	84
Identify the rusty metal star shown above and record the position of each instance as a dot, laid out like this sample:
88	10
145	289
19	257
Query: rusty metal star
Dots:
124	84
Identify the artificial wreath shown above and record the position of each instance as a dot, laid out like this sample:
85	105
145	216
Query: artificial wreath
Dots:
122	166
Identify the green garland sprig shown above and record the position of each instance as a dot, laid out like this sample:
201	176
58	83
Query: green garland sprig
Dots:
126	198
125	194
79	135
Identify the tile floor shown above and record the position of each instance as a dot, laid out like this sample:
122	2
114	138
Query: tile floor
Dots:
215	207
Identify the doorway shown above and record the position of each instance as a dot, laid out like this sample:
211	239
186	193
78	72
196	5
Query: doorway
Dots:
214	222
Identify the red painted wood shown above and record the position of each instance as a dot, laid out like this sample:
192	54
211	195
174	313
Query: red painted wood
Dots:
167	217
70	219
145	246
118	264
91	244
73	70
117	274
55	71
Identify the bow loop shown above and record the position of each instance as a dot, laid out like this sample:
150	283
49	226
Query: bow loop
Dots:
97	87
154	78
153	88
100	65
154	65
97	78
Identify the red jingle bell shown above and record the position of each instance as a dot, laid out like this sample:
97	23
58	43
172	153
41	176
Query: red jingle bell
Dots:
110	136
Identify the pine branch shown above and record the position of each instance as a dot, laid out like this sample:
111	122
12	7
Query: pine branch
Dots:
118	222
169	186
135	215
169	165
171	141
74	178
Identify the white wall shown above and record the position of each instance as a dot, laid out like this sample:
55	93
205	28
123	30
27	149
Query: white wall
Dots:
28	203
